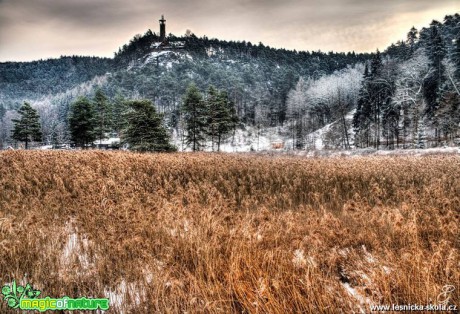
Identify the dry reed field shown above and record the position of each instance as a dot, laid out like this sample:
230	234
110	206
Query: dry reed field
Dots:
217	233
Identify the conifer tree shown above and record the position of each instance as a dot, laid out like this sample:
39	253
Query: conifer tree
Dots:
225	117
27	128
375	95
221	116
82	122
411	41
436	51
434	85
376	65
214	107
361	118
102	114
144	130
194	115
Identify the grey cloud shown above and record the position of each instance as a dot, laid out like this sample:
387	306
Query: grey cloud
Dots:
295	24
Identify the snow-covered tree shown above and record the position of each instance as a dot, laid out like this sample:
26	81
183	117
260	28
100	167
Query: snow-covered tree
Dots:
297	108
315	103
408	96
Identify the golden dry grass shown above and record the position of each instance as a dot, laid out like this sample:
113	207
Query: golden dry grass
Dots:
231	233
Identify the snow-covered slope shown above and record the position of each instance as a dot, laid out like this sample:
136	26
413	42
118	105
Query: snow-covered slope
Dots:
319	137
247	140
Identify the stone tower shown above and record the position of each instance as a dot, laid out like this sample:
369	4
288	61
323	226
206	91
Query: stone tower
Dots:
162	29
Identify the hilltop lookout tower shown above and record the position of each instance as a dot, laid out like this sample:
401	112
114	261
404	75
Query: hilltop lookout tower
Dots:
162	29
163	42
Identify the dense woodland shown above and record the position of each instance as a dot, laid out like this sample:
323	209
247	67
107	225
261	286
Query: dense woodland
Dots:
405	96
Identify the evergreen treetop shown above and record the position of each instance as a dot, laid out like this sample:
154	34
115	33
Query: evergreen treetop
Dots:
27	128
144	130
82	122
194	114
102	114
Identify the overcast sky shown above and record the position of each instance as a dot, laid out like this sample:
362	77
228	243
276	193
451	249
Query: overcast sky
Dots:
35	29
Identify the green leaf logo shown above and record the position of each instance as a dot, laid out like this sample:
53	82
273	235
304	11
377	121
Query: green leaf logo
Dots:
14	294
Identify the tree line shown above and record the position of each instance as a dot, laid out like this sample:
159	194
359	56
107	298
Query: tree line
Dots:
136	121
212	117
257	78
407	96
414	97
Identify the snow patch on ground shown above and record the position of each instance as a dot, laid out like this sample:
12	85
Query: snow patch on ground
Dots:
355	294
357	275
108	141
154	55
123	294
130	293
75	251
354	153
250	139
278	140
319	135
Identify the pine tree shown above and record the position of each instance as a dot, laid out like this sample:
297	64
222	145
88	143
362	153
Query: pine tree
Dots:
82	122
376	65
194	114
221	116
144	130
434	85
437	49
362	116
226	117
411	41
375	95
213	108
102	114
27	128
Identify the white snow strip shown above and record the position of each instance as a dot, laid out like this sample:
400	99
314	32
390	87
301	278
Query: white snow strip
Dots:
123	294
355	294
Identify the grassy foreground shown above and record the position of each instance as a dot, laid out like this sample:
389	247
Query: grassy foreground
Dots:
231	233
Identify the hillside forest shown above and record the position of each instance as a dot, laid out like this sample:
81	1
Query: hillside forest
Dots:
404	97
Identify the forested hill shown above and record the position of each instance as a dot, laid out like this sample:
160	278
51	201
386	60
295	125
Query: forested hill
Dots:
298	92
307	63
448	30
256	77
33	80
